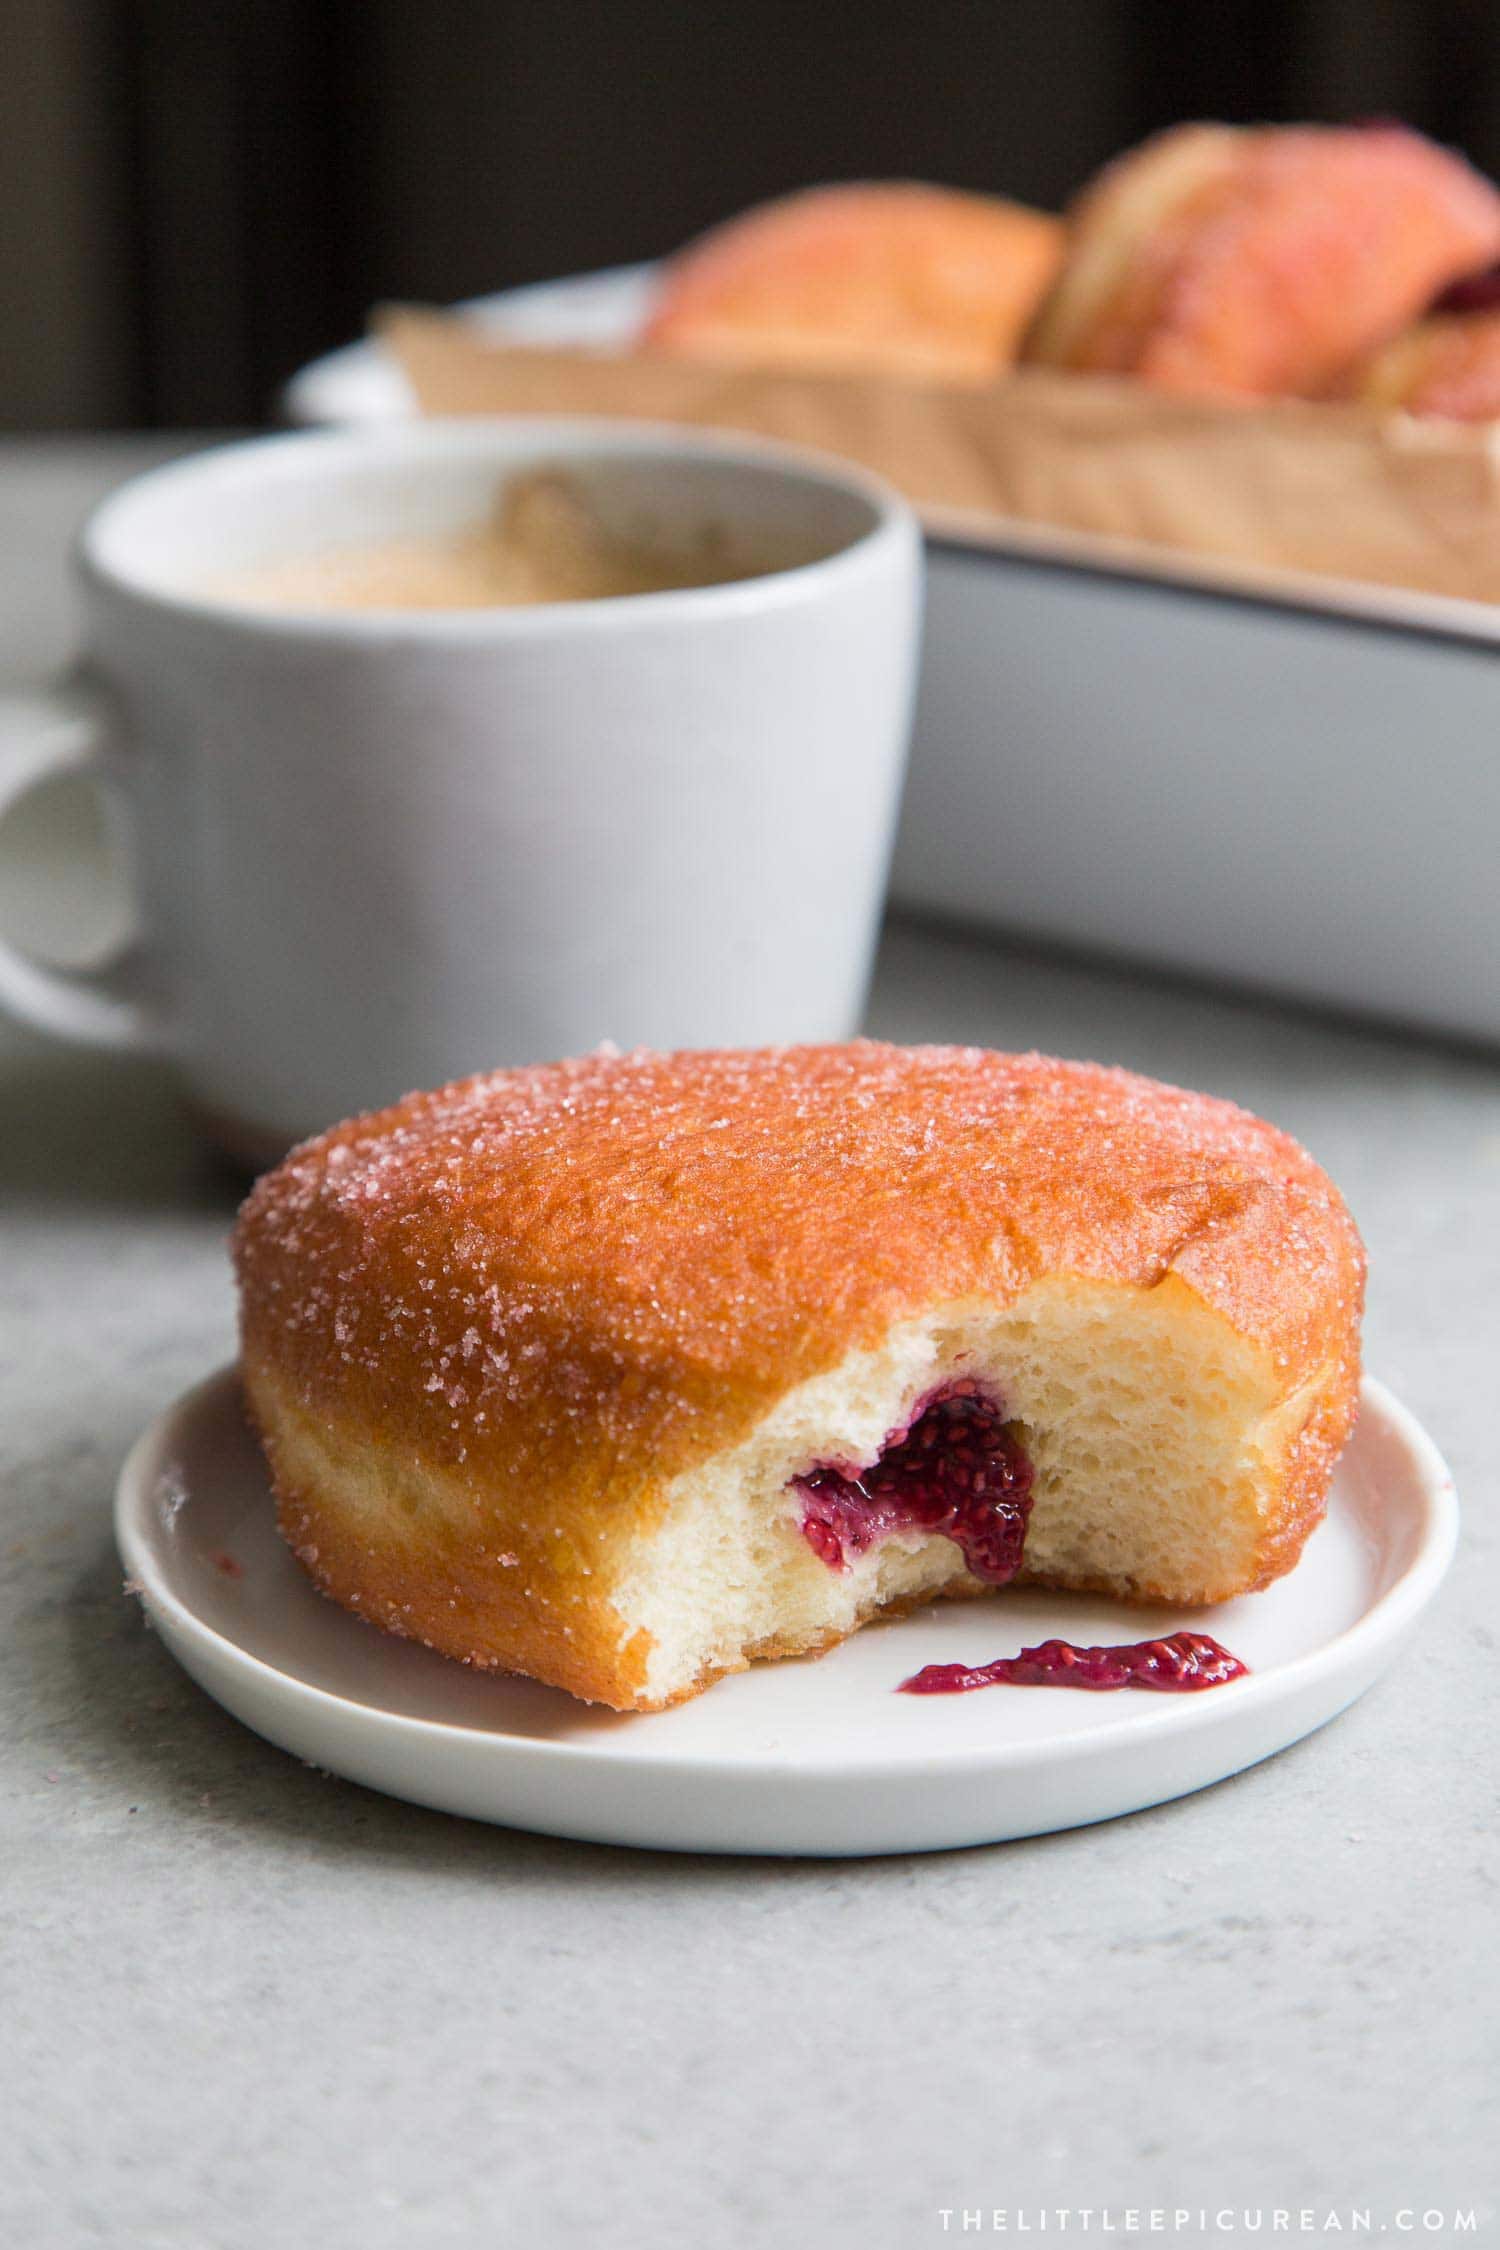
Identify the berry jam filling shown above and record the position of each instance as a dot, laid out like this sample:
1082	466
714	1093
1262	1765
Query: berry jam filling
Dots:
955	1470
1180	1665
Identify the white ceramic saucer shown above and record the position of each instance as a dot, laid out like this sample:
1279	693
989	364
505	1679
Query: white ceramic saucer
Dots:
809	1757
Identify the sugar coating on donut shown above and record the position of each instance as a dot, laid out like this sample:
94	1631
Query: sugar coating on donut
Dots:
548	1363
1262	262
880	276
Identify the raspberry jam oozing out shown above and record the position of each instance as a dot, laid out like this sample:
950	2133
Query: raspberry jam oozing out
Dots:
954	1471
1181	1664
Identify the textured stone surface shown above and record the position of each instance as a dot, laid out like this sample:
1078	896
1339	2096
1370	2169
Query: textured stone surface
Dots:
246	2005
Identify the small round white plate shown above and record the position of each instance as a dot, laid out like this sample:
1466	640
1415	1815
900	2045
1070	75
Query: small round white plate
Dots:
803	1757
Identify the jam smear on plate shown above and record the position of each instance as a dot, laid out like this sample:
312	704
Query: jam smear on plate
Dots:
1181	1664
955	1470
958	1471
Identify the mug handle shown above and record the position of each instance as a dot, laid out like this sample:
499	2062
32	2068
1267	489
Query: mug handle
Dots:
47	735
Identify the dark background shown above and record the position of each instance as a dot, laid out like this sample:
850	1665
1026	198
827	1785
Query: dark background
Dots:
198	195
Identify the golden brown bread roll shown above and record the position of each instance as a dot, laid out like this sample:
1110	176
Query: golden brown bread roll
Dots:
625	1371
1261	261
888	277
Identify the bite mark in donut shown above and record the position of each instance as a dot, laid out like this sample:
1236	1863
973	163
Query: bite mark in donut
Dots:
957	1471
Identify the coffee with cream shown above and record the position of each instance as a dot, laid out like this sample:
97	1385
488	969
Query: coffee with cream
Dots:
544	542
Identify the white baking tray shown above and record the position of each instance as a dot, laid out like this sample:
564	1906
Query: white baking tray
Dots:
1282	780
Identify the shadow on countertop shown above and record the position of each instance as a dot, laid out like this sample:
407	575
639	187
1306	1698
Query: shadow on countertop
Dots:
114	1716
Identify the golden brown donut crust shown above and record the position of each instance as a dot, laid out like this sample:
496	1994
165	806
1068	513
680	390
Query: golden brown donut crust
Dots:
553	1289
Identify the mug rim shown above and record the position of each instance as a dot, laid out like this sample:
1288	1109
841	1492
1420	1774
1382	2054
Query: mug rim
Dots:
891	521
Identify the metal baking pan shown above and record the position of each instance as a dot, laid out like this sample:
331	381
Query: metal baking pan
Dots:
1272	779
1278	780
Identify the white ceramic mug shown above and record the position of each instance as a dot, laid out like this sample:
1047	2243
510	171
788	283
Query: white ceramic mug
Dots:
379	849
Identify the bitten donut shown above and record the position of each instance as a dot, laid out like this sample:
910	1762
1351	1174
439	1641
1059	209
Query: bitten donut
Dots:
882	276
1263	261
624	1372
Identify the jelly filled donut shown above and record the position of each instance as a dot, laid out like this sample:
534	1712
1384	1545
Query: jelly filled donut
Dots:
1261	261
624	1372
889	277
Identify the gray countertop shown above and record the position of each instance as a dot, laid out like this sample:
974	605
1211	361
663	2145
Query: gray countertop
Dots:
246	2004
